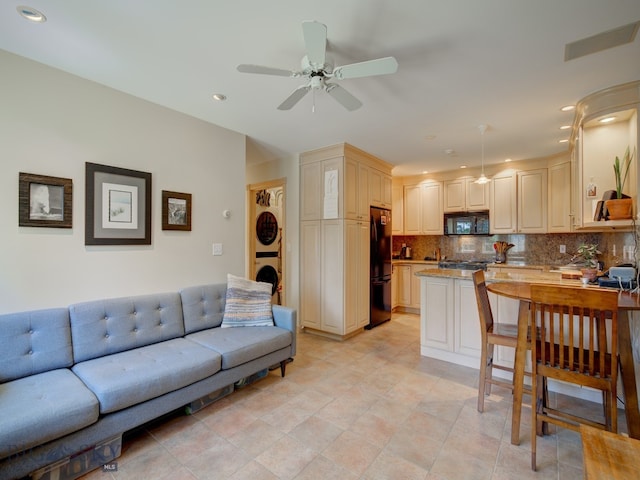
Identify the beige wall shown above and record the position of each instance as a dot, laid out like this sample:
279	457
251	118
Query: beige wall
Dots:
51	123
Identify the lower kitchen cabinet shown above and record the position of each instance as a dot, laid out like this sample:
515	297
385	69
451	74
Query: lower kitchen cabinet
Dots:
449	323
407	286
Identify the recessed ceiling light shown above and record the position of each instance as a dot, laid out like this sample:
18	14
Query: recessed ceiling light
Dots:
424	172
565	127
219	97
568	108
564	140
463	166
607	119
31	14
507	160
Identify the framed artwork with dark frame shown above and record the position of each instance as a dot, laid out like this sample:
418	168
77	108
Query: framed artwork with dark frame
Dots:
176	211
117	206
45	201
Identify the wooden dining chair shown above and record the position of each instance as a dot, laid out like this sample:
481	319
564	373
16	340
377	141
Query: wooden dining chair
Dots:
577	343
492	333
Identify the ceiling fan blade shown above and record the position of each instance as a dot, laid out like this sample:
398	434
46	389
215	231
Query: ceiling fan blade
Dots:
343	97
294	98
315	40
265	70
380	66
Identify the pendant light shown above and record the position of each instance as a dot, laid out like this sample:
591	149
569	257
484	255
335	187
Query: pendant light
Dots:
482	179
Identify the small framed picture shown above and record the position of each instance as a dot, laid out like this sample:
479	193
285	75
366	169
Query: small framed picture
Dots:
45	201
592	190
176	211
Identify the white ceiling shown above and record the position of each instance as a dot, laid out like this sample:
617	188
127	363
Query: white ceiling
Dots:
462	63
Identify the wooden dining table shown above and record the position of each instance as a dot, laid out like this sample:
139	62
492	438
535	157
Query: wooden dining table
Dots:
626	302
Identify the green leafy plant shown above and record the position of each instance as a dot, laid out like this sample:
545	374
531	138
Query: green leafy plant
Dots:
620	166
588	253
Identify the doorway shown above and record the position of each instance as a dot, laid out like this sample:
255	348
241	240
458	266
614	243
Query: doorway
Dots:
266	229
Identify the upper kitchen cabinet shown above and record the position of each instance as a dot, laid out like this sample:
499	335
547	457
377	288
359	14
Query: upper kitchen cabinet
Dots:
397	202
423	212
605	124
464	194
559	211
342	181
519	201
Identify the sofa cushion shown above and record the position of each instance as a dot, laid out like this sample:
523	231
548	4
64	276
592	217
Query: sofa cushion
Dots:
34	342
241	345
42	407
203	306
248	303
127	378
103	327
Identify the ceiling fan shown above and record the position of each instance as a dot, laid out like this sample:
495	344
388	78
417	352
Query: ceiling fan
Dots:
319	70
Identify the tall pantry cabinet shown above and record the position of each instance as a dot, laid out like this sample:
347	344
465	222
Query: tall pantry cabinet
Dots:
338	184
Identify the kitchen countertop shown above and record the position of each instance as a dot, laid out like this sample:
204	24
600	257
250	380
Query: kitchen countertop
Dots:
554	278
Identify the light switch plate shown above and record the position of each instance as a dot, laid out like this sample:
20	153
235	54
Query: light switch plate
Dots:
217	249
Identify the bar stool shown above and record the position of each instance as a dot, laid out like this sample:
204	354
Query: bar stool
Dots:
492	333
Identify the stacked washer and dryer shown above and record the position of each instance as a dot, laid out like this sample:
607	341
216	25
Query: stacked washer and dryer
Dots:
269	239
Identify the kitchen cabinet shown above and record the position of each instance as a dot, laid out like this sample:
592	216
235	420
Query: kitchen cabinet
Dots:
394	287
532	201
594	146
519	202
504	214
423	213
449	323
408	285
559	213
334	249
463	194
397	217
380	189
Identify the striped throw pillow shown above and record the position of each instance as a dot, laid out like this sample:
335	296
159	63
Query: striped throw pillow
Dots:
248	303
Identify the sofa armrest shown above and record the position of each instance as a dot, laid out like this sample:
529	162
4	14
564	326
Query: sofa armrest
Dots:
285	317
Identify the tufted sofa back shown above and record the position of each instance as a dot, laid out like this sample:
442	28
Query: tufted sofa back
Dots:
34	342
103	327
203	306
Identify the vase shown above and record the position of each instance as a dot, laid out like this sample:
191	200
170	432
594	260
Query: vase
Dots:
619	208
590	274
501	257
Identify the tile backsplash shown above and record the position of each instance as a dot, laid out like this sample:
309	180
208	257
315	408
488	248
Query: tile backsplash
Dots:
532	249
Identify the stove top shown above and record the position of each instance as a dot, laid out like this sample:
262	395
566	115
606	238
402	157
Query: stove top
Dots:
464	264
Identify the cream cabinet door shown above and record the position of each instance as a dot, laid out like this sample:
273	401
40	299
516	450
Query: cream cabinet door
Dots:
397	210
559	206
532	201
432	217
415	285
310	270
332	277
504	212
436	314
412	210
356	281
404	285
477	195
454	195
311	191
466	320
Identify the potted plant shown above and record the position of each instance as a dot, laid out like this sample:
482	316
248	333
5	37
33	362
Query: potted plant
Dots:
620	207
588	253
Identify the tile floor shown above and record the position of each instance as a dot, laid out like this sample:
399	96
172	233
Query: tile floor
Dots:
369	408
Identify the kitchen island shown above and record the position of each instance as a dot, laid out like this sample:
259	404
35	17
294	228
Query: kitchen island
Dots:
449	324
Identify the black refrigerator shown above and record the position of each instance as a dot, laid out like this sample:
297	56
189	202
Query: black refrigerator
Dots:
380	267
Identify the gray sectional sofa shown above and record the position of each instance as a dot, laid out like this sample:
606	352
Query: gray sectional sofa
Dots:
73	380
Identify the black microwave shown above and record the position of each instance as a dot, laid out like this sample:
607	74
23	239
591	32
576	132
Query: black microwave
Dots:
466	223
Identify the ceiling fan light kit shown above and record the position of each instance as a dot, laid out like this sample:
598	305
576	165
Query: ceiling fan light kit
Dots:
318	69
